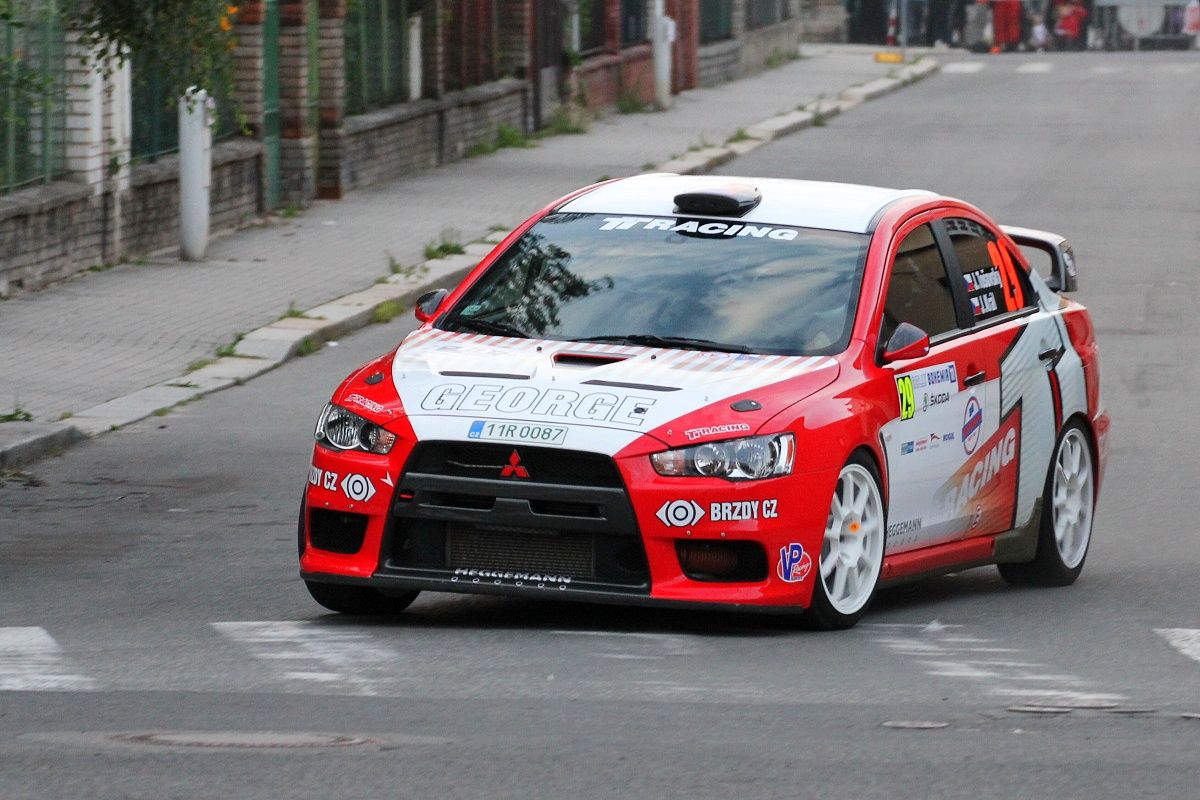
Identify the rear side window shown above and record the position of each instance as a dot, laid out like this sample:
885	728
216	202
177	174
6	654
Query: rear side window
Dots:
995	282
919	291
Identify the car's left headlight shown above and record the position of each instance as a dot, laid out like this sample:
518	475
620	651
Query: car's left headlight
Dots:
342	429
750	458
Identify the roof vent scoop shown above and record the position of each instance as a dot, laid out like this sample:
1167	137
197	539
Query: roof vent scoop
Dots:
729	200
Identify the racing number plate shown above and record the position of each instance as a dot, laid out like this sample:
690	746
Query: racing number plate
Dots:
517	432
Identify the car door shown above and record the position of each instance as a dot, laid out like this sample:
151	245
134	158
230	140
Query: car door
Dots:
1019	343
938	400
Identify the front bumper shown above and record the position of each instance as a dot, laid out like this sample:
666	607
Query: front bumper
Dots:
572	530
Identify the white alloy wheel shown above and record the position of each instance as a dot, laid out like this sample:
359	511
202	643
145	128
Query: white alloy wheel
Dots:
852	551
1073	499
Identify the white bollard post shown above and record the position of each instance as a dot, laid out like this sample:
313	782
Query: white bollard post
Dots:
195	172
662	35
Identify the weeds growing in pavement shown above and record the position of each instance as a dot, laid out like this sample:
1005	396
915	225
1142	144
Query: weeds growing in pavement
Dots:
566	119
739	135
308	345
293	312
414	271
228	350
20	478
198	364
447	245
387	311
629	103
18	414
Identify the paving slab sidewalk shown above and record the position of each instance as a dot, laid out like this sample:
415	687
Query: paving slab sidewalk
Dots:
108	348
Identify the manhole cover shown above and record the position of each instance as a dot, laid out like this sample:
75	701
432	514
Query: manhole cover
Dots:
262	740
1039	710
1083	705
915	724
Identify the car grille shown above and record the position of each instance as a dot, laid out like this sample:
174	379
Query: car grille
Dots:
561	554
571	518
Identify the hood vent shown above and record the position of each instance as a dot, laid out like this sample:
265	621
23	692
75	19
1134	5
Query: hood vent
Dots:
460	374
645	387
587	359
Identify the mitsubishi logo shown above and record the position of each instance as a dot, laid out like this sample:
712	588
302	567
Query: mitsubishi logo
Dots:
513	468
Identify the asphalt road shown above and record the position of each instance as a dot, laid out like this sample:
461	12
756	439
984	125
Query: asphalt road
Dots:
148	586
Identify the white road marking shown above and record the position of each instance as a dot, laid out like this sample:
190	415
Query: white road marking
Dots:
945	653
1185	640
1107	70
319	655
1035	68
962	67
31	661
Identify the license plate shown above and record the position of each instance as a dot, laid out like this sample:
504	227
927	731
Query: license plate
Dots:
527	432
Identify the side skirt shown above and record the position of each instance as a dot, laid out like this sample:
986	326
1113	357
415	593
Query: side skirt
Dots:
1015	546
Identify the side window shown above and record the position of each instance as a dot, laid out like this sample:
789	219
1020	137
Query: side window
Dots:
919	291
995	283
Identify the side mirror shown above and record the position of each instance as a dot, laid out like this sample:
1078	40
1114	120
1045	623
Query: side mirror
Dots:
908	341
429	303
1063	276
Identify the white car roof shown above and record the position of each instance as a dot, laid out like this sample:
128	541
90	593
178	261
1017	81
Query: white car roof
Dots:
805	204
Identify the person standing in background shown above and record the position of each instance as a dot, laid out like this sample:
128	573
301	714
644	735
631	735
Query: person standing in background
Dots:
1006	25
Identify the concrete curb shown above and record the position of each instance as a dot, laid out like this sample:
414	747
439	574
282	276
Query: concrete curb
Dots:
265	348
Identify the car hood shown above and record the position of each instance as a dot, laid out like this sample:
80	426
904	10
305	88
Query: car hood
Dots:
597	397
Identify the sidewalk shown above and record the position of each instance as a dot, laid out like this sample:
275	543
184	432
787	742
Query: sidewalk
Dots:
103	350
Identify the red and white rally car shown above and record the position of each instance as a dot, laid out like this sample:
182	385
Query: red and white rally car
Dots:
707	390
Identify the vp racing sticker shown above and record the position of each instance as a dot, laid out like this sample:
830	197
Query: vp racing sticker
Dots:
794	563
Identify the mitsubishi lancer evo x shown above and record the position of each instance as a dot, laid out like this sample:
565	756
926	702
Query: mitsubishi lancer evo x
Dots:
711	391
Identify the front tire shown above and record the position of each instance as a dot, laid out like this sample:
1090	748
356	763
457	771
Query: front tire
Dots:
1068	505
852	551
359	600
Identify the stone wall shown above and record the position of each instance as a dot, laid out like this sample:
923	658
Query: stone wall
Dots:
720	62
392	142
48	233
151	210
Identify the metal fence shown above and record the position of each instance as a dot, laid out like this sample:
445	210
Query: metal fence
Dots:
32	82
156	113
591	26
761	13
472	44
716	20
633	22
376	54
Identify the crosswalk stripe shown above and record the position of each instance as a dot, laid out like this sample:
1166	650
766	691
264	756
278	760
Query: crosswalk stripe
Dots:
962	67
317	654
31	661
1035	68
1185	640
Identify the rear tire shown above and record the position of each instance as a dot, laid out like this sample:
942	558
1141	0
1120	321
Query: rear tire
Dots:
851	557
1068	505
359	600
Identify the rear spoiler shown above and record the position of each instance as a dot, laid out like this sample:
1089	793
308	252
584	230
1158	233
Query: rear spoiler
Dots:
1063	276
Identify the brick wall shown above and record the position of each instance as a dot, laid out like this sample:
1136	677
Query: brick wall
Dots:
601	80
392	142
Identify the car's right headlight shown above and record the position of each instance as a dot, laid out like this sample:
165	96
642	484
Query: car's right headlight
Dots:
746	459
342	429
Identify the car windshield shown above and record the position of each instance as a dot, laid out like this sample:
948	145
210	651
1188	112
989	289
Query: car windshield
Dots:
671	282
